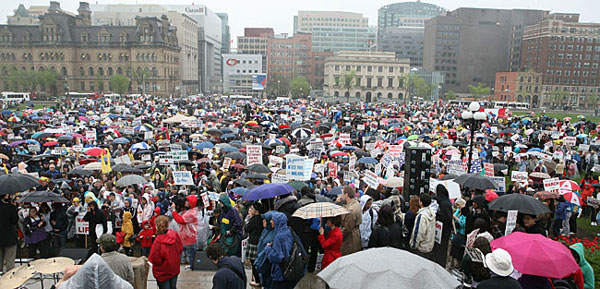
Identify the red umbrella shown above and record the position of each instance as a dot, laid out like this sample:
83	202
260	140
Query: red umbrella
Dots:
285	140
284	126
204	160
546	195
569	185
238	166
490	195
50	143
339	154
95	152
87	161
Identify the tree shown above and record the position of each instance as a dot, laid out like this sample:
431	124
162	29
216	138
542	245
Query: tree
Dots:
558	95
299	87
49	79
349	82
415	85
479	90
278	85
140	75
591	100
119	83
450	95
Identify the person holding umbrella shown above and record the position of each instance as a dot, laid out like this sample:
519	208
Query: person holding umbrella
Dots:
8	241
332	243
500	264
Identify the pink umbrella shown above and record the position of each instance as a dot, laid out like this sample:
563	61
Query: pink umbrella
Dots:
537	255
569	185
83	118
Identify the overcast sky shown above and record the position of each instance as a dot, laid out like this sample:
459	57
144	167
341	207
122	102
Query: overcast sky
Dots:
278	14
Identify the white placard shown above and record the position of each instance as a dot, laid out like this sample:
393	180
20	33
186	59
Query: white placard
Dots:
129	131
107	121
183	178
90	135
275	161
344	138
163	143
179	155
226	163
371	179
552	185
146	157
570	140
148	135
81	227
253	154
439	226
520	177
511	221
279	178
500	184
471	238
298	168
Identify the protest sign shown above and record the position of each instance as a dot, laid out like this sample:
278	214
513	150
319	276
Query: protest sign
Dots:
344	138
319	168
128	131
226	163
183	178
352	162
280	149
332	168
276	161
395	150
81	227
500	184
146	157
457	167
148	135
471	238
371	179
570	140
165	160
438	231
279	178
90	135
179	155
33	147
253	154
584	147
298	168
511	221
163	143
489	169
520	177
552	185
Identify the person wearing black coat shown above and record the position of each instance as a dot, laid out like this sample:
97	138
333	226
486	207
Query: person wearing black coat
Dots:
60	223
444	215
8	238
387	233
252	231
94	216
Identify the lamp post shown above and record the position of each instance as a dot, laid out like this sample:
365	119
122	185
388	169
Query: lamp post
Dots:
472	116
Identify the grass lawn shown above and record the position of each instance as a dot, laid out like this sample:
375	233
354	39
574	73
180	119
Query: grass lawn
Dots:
561	115
585	231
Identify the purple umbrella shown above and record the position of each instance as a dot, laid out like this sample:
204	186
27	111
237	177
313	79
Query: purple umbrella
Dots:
16	143
267	191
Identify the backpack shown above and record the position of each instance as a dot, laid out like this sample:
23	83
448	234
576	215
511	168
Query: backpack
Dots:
294	268
566	283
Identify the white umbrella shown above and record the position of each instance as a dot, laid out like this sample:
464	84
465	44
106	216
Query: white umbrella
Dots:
129	180
382	268
93	166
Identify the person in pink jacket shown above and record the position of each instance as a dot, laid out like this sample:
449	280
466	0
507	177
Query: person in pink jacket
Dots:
185	214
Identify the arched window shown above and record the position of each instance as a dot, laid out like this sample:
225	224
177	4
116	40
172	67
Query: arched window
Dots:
119	70
81	72
63	71
154	72
100	71
357	94
347	94
4	70
389	95
379	94
110	71
91	71
400	95
41	68
336	94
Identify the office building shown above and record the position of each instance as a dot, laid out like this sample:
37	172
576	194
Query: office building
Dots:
225	33
290	57
86	56
335	30
567	54
238	70
400	29
519	86
378	75
469	45
255	41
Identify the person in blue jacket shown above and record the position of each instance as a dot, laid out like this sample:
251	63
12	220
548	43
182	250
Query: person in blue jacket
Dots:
279	251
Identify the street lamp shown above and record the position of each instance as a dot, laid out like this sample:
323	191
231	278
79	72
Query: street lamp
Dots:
473	117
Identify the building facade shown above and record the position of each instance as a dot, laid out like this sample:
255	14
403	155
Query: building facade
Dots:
290	57
31	15
567	54
519	86
225	33
378	75
85	56
400	29
255	41
335	30
187	34
238	70
469	45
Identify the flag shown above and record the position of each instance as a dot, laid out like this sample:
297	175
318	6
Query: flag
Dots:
167	135
105	162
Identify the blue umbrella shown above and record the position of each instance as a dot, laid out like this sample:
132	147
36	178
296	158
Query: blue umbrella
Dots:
141	145
335	192
239	191
272	141
121	140
226	136
205	145
267	191
367	160
226	130
229	149
539	150
347	148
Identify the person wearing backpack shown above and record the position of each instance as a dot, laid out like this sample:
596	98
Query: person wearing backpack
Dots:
369	219
231	273
278	252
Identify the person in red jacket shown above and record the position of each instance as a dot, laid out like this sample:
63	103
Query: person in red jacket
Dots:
145	237
164	254
333	243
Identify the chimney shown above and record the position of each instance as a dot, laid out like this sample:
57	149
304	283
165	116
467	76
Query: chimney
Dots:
54	7
165	27
85	14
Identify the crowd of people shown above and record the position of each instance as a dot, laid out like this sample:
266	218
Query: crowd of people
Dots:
167	179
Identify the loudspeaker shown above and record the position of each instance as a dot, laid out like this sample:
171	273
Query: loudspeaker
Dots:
202	263
417	170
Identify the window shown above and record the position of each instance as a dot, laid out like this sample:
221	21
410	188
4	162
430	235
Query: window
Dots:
337	68
91	71
391	70
390	82
82	86
84	37
368	82
63	71
91	85
379	81
100	71
358	68
369	68
380	69
110	71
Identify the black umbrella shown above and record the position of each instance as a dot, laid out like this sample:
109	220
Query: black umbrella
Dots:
448	177
214	132
243	182
15	183
42	196
525	204
235	155
258	168
475	181
79	172
120	167
498	167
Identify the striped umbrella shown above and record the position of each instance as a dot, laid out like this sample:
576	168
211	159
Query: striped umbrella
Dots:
320	210
571	197
569	185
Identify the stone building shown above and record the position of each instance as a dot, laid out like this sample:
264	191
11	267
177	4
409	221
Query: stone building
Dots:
379	75
85	56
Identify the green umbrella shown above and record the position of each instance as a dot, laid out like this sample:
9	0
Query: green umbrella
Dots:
297	185
413	137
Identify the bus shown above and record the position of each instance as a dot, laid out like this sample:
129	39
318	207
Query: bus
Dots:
511	105
465	103
15	97
91	95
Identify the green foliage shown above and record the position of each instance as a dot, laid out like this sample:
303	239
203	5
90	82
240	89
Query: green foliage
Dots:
558	95
416	85
479	90
299	87
278	85
349	82
119	83
29	80
591	99
450	95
